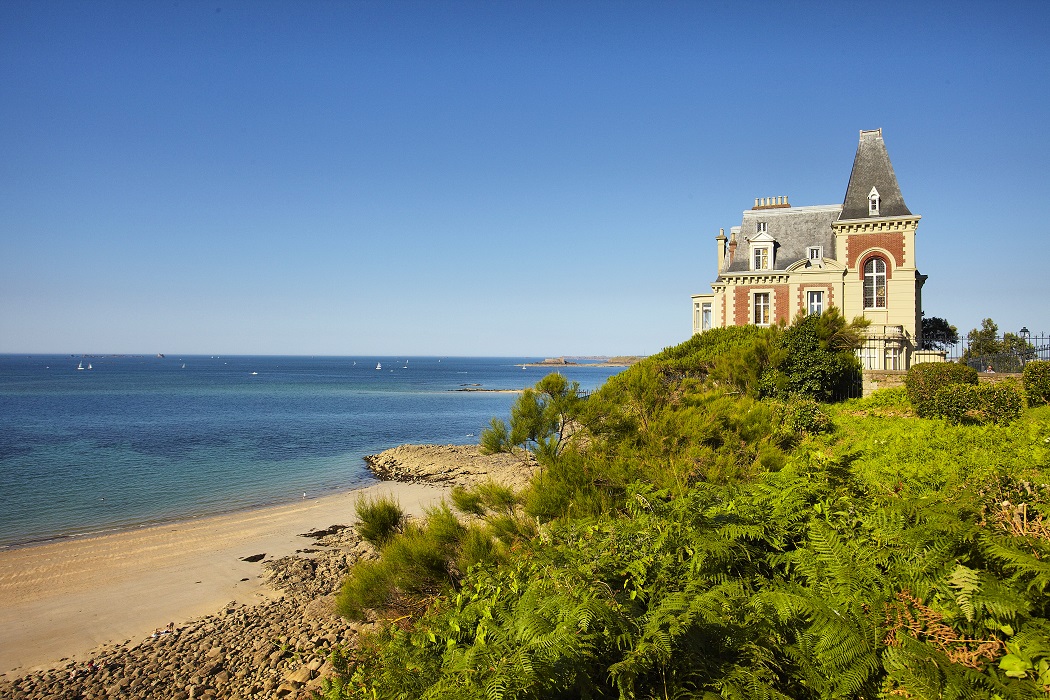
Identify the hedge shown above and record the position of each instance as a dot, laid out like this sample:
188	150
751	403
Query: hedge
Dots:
1036	377
978	403
923	382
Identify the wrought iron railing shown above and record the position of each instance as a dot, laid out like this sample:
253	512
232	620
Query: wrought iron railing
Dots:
1008	353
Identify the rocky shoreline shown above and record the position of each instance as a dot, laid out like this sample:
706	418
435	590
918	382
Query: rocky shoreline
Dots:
274	649
451	465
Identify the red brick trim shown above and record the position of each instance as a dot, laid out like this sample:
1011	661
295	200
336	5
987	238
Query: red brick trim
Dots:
858	243
781	302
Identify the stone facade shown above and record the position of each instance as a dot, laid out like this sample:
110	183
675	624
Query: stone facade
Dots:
783	261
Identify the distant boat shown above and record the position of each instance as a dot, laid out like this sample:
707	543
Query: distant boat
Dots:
184	365
89	366
523	365
379	365
254	373
81	365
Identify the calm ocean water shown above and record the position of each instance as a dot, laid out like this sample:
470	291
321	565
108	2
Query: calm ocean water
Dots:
138	440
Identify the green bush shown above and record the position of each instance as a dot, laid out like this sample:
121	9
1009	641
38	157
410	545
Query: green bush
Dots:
380	518
807	416
467	501
958	403
979	403
1036	377
925	380
1003	402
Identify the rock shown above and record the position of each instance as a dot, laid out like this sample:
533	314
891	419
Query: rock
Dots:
300	676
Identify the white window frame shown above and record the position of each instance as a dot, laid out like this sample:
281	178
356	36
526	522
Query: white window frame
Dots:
815	253
874	281
874	199
765	307
818	295
761	228
706	316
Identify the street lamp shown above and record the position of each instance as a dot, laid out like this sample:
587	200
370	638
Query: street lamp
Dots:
1025	337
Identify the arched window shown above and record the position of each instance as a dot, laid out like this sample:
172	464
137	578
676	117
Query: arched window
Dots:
875	284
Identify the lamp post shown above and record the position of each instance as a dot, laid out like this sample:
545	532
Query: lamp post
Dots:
1025	337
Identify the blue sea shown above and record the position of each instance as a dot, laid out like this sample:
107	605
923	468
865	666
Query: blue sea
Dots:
141	440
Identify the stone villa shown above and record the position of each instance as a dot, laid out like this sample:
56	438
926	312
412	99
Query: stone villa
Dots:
859	256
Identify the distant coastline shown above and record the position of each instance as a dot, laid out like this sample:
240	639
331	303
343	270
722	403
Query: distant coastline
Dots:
600	361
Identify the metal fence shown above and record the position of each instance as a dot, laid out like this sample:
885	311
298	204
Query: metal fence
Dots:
1009	353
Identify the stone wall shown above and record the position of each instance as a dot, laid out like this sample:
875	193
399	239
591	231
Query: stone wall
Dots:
874	379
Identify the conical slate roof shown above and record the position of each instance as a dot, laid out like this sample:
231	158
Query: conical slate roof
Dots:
872	168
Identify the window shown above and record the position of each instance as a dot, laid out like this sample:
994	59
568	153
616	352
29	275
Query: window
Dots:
875	284
761	227
815	252
893	357
761	315
815	303
761	258
873	202
705	317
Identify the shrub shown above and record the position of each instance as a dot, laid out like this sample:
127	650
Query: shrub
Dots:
478	546
923	382
380	518
467	501
1036	377
958	403
807	416
979	403
1002	402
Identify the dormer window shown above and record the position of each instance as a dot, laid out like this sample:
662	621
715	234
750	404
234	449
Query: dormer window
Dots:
815	253
873	202
761	227
762	250
761	258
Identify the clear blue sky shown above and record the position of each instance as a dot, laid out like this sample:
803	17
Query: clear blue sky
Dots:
487	178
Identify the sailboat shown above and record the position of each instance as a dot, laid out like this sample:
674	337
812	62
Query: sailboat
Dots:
379	365
81	365
89	366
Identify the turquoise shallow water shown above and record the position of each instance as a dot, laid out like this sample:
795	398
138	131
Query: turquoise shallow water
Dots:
138	440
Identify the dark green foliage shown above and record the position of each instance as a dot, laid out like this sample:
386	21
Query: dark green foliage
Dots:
380	519
816	357
1036	379
925	380
938	334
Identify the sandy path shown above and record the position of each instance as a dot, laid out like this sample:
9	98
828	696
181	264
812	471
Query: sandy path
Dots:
59	600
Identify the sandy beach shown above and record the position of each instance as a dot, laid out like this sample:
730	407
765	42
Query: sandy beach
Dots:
62	599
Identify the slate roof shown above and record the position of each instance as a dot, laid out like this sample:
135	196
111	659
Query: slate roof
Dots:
872	168
794	229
